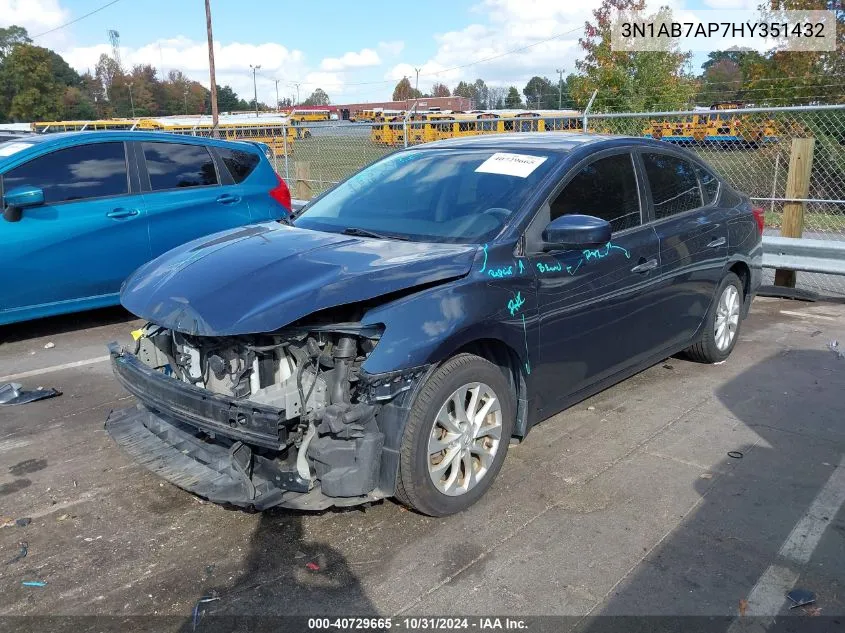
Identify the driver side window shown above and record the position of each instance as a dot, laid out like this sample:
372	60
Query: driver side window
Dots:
606	189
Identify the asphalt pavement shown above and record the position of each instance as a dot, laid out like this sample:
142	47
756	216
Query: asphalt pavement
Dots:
687	490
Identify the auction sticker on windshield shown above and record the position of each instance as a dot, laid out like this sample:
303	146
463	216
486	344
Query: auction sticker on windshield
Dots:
7	149
511	164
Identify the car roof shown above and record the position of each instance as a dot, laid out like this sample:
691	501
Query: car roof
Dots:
72	138
563	142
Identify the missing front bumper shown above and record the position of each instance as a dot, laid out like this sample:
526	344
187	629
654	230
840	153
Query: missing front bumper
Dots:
226	473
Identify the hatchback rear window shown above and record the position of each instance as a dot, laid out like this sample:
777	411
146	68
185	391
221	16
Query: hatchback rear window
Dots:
239	163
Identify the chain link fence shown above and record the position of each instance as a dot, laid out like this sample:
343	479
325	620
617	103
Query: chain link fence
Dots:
750	148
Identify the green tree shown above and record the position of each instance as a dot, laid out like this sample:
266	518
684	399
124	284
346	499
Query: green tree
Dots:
404	91
540	93
317	98
77	105
481	95
513	100
227	100
10	37
28	89
440	90
629	80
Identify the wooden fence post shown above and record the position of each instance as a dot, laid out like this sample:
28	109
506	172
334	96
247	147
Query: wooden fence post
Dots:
302	179
797	186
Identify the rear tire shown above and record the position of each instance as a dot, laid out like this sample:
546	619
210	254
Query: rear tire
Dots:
721	326
466	410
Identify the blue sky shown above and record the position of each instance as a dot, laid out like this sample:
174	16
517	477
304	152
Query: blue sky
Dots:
352	53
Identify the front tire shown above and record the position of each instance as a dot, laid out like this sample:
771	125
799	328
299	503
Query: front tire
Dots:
457	436
721	327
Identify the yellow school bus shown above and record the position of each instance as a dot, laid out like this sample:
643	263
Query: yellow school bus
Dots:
299	115
46	127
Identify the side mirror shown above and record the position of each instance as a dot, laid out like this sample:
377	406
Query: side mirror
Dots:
20	198
576	231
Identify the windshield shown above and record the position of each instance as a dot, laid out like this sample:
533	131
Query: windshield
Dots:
448	195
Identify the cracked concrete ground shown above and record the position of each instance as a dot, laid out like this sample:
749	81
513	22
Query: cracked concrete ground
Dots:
625	504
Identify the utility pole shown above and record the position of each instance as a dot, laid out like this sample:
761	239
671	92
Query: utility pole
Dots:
186	98
560	89
278	107
255	86
131	101
416	88
297	93
215	117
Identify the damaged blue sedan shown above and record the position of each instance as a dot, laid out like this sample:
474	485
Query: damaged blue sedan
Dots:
423	315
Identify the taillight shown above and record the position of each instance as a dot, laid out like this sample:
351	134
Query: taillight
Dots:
760	216
281	194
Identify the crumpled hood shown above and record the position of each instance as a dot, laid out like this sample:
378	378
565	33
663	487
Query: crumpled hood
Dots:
259	278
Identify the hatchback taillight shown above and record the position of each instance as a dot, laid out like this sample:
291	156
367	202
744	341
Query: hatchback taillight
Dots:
760	217
281	194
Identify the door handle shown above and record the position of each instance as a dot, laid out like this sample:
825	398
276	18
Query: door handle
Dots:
645	266
228	198
122	213
716	242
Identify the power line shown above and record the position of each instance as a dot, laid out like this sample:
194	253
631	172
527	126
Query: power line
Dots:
81	17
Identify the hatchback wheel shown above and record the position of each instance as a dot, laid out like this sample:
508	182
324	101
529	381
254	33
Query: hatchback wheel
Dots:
721	329
457	436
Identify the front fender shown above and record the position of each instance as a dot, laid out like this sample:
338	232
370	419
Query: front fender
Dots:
429	326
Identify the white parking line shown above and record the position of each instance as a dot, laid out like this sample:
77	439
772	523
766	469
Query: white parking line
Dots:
769	594
47	370
808	315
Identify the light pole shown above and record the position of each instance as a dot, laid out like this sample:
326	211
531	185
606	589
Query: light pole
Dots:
277	95
131	101
255	86
186	98
560	90
297	93
214	113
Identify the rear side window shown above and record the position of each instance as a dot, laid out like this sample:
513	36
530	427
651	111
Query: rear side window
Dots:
97	170
176	166
674	184
709	185
239	163
606	189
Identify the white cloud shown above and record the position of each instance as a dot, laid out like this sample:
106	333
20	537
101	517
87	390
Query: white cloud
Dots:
366	57
502	26
34	15
391	49
232	62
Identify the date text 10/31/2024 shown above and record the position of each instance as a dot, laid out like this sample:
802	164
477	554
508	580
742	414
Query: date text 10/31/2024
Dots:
419	623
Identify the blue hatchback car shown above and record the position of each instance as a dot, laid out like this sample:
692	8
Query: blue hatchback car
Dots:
82	210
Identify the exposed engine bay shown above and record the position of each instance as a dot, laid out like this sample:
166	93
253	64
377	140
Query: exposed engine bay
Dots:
277	413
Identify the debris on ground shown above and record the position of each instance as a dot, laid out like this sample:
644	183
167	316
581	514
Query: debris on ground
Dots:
313	566
591	408
34	583
706	476
50	345
12	393
833	346
721	362
815	334
743	607
24	550
198	606
10	522
61	518
811	610
800	597
735	454
667	366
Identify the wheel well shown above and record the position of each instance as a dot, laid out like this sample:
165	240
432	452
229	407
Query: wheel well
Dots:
507	360
741	270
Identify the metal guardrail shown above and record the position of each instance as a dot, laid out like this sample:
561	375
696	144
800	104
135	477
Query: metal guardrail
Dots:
812	256
787	253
